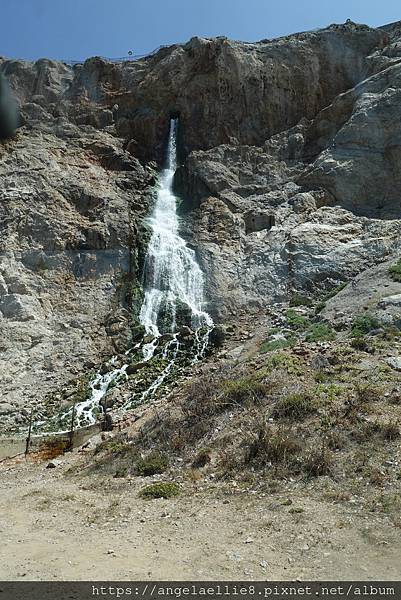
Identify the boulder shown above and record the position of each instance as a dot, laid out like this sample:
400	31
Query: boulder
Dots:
19	307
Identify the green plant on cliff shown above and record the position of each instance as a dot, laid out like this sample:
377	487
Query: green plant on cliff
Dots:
395	271
296	320
279	344
319	332
364	324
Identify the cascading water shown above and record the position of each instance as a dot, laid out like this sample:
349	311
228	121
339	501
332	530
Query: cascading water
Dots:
173	298
173	278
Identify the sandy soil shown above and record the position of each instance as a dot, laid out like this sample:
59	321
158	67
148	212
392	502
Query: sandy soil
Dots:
55	525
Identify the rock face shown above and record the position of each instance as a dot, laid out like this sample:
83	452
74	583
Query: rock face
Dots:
289	179
71	203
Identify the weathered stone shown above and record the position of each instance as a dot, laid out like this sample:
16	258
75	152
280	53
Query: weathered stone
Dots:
20	308
394	362
390	301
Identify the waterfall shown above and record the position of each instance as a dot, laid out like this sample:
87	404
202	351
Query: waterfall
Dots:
173	298
173	278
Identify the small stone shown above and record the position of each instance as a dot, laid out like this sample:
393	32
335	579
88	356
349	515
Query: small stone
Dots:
53	463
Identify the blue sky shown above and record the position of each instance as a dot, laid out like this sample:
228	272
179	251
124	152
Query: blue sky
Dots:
76	29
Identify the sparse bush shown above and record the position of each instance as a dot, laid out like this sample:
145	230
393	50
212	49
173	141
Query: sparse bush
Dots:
336	440
376	476
280	344
319	332
335	291
360	343
390	431
289	363
201	459
367	393
299	300
112	446
295	406
395	271
297	321
364	324
152	464
276	447
161	489
319	462
241	390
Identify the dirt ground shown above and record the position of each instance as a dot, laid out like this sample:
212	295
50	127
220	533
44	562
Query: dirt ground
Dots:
56	525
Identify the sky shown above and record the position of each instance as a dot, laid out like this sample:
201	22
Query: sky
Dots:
77	29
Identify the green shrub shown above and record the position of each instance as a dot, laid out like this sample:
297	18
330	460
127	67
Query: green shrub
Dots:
160	489
297	321
321	305
299	300
295	406
113	447
240	390
367	393
319	332
395	271
151	465
364	324
361	343
270	346
289	363
335	291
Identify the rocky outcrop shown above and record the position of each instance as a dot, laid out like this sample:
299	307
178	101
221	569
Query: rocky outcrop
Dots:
71	205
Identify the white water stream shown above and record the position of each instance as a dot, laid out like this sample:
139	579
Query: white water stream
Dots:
173	282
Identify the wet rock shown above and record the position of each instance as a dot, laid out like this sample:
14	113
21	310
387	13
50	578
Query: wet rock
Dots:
217	336
135	367
138	333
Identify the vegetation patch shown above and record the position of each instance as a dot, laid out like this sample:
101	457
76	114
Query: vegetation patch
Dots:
276	447
297	321
299	300
395	271
287	362
320	332
364	324
279	344
240	390
295	406
152	464
319	462
201	459
161	489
